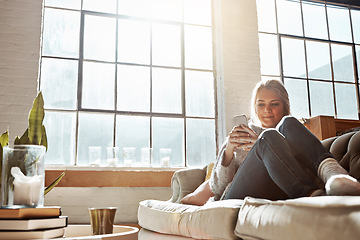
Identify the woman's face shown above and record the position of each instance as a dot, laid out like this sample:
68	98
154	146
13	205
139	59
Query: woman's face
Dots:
269	108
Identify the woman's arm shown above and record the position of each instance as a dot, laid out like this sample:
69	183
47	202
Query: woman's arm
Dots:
222	175
240	140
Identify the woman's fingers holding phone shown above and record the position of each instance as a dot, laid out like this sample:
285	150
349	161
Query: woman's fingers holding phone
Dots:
244	136
248	130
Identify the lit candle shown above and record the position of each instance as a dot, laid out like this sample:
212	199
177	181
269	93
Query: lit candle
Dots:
112	162
96	162
127	162
165	161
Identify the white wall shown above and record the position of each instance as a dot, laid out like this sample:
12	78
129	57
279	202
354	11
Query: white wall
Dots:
20	27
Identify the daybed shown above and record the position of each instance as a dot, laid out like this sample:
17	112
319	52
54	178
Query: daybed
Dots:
323	217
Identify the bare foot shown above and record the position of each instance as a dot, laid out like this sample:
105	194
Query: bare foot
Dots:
318	192
200	196
342	185
193	199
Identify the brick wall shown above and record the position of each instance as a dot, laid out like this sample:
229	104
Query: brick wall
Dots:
241	62
20	27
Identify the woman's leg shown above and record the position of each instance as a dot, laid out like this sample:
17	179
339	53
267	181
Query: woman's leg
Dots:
271	171
308	148
303	143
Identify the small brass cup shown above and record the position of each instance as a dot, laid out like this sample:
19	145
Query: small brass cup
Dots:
102	220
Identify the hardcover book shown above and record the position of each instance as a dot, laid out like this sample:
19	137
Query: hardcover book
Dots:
32	224
36	234
29	213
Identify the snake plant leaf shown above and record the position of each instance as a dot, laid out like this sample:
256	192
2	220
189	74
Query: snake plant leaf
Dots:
24	139
36	117
44	138
4	139
17	140
54	183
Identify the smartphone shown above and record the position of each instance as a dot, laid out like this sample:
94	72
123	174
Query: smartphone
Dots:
240	119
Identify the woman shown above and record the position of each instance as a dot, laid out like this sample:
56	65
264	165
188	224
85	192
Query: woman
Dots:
274	158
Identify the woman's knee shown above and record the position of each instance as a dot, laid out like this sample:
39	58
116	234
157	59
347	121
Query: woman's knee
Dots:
271	135
287	121
272	139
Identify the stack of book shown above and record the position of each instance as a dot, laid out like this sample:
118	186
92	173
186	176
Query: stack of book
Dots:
32	223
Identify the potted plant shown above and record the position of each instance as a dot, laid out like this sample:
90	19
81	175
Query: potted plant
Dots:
18	162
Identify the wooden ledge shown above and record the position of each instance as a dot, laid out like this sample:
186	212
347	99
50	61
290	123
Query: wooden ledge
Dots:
111	178
327	126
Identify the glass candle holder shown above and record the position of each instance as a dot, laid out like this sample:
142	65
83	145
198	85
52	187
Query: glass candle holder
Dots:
112	154
129	156
95	156
165	157
146	156
23	175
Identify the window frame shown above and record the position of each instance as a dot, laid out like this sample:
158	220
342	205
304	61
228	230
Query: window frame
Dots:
280	36
115	112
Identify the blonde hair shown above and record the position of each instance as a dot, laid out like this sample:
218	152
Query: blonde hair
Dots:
275	86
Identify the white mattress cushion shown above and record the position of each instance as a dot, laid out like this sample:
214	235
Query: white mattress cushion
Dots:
310	218
214	220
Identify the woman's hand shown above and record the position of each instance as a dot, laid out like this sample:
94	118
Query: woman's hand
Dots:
240	137
247	141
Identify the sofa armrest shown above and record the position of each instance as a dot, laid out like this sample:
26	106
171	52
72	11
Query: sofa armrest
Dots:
185	181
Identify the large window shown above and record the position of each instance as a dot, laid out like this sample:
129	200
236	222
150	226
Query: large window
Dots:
314	48
122	76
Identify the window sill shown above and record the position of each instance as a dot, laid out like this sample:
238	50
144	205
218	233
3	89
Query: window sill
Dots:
110	176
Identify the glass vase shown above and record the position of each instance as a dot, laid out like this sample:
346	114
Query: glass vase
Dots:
23	173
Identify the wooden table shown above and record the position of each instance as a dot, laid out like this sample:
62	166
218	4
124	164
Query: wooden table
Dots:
83	232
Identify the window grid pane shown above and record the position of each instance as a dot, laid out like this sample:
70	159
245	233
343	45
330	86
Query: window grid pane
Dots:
168	133
98	86
130	97
315	25
293	55
61	139
166	90
339	23
132	132
99	38
201	143
298	96
289	17
61	33
58	83
94	130
321	98
131	64
346	106
355	19
266	15
342	59
318	60
269	54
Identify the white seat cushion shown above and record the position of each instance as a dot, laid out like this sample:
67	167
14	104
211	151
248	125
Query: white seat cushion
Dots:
214	220
310	218
145	234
